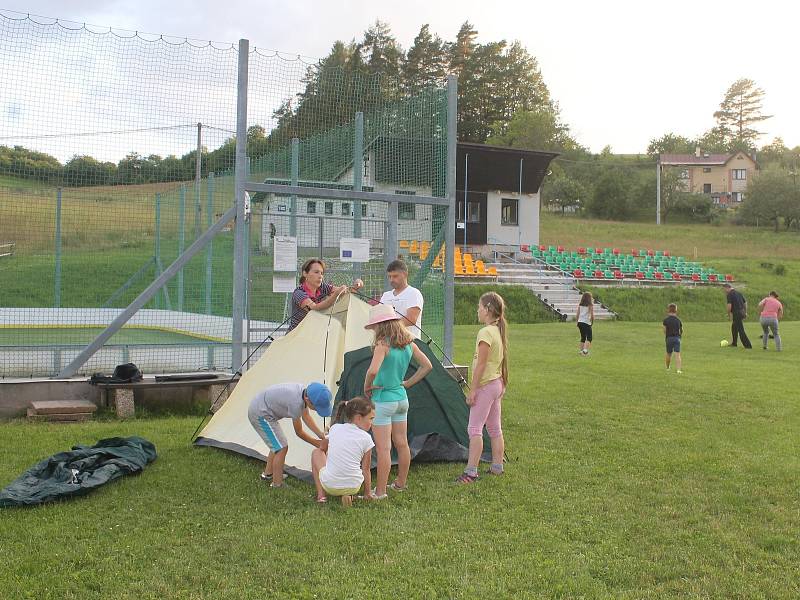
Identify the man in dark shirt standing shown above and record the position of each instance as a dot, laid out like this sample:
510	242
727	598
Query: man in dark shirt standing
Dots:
737	310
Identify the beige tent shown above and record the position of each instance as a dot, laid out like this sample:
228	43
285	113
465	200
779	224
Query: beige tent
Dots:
313	351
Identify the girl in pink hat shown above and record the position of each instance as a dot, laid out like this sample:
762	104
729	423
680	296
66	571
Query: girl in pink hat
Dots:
385	385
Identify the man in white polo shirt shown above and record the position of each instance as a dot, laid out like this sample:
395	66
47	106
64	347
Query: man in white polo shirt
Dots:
405	299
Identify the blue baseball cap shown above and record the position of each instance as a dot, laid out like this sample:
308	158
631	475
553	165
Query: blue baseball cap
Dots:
320	396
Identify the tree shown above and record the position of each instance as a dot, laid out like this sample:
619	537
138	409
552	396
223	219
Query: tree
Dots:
537	129
738	112
564	192
425	63
772	196
610	199
670	143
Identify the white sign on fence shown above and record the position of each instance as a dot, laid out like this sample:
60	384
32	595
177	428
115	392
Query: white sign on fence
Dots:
354	249
284	254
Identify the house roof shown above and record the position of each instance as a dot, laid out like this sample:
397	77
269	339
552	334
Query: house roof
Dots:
500	168
705	160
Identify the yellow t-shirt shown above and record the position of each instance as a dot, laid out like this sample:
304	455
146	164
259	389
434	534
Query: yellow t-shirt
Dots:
491	335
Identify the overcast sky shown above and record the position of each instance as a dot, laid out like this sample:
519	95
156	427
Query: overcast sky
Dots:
622	72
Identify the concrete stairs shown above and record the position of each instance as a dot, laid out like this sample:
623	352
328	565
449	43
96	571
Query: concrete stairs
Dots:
556	289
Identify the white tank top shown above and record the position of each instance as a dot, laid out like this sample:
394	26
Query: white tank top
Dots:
584	315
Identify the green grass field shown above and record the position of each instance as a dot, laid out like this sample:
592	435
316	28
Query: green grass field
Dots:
624	481
42	336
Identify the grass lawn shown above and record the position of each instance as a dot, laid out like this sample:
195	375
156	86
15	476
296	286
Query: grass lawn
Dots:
624	482
36	336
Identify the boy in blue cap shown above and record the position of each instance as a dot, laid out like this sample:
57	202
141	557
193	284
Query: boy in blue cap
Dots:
287	401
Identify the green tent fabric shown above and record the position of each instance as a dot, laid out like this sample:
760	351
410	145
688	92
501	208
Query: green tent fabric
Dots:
78	471
437	414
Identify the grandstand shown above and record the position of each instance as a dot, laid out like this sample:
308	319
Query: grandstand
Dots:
599	265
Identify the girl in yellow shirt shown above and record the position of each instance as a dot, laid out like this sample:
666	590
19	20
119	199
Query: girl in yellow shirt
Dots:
489	380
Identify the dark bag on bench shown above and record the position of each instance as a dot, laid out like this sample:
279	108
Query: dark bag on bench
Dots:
127	373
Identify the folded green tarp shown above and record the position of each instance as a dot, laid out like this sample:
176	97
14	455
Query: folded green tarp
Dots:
78	471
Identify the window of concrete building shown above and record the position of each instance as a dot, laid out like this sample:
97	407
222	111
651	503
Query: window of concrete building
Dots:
311	207
407	211
345	209
329	208
509	214
706	188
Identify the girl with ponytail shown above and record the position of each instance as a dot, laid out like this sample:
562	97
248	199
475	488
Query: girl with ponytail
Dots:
341	464
489	381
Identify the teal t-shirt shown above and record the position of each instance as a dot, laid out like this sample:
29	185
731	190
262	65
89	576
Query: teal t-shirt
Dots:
391	374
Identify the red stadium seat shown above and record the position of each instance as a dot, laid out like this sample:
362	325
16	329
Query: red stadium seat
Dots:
581	250
598	250
695	276
577	273
525	248
639	275
616	251
658	275
666	253
560	249
728	277
618	275
650	253
676	276
712	278
598	273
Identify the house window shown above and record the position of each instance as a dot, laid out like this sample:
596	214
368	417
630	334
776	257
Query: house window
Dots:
363	209
508	211
473	212
329	208
736	196
739	174
366	169
311	207
345	209
706	169
706	188
407	211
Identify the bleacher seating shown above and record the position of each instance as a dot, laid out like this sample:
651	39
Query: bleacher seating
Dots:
642	264
463	263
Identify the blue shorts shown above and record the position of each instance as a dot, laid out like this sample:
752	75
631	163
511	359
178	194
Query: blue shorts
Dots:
673	344
387	413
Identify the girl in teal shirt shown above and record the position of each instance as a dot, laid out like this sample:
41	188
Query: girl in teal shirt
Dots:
385	385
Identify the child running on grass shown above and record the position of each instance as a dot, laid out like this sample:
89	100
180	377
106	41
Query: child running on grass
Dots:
673	331
385	385
342	462
489	380
584	315
287	401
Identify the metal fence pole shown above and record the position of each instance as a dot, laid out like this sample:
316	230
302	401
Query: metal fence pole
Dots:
57	279
450	222
295	174
390	250
181	241
209	257
239	247
198	173
358	171
157	248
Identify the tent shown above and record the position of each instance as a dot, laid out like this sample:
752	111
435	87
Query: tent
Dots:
333	346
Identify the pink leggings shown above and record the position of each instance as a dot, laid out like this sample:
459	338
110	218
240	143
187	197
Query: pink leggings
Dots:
486	410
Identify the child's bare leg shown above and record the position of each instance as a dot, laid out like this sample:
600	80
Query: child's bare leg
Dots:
318	461
678	361
400	441
667	359
268	465
277	466
383	444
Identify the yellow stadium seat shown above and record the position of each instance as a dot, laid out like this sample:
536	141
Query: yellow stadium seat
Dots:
425	246
458	270
437	262
467	257
414	247
492	271
423	253
404	243
480	268
469	270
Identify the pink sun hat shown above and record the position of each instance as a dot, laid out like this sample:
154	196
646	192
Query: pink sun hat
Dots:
380	313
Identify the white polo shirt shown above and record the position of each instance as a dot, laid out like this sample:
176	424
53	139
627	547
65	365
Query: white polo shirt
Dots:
410	297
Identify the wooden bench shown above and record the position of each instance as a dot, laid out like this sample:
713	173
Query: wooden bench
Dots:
120	396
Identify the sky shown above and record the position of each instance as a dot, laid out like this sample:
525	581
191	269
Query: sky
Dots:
622	73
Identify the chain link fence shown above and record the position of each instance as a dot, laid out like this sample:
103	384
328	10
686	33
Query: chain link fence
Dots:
118	157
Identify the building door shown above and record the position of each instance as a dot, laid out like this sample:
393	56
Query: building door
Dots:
473	221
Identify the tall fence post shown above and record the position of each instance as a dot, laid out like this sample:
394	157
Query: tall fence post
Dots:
239	247
209	256
358	171
157	243
181	241
295	174
390	251
450	222
57	277
198	173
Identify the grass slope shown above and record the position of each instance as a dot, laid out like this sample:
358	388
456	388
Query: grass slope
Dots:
625	482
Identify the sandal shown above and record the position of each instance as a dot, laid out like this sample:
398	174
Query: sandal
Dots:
492	471
322	499
375	495
398	488
466	478
273	485
266	476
